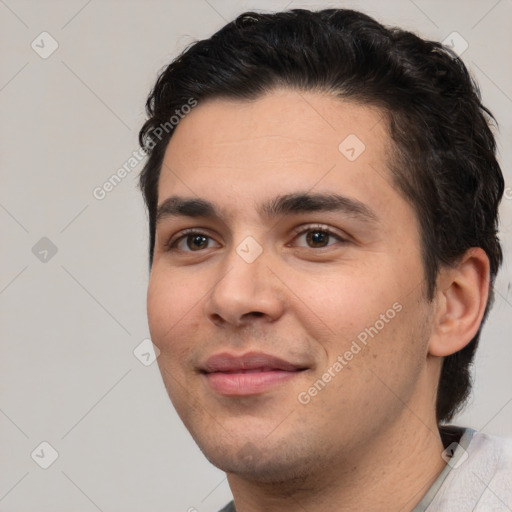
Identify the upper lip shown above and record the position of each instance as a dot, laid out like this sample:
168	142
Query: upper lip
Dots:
225	362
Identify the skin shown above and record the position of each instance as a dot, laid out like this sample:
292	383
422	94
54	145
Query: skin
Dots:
368	440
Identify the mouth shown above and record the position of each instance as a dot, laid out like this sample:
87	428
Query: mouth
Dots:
250	374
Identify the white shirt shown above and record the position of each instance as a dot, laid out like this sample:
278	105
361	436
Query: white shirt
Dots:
476	478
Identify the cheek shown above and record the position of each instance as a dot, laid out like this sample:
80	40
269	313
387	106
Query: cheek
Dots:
375	307
172	305
378	359
344	301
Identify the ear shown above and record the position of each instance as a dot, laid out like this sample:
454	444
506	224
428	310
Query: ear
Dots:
461	297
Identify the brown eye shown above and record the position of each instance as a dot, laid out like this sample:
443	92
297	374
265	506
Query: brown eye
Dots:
318	238
197	242
192	241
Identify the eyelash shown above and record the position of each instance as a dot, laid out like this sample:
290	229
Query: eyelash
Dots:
171	245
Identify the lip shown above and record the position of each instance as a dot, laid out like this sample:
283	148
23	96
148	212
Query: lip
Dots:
249	374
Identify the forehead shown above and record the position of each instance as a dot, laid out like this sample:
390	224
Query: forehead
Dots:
301	123
232	151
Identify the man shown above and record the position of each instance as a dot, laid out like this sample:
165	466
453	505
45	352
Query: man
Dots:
322	196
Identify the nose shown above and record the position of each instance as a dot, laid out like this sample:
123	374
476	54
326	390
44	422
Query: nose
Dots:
246	292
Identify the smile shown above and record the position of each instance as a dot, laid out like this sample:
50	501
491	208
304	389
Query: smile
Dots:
251	373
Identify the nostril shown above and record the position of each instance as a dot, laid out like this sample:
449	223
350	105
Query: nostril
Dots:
217	319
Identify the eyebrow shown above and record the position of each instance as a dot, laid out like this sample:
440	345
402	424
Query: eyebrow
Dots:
296	203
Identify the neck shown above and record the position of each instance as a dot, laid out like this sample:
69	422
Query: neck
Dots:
390	472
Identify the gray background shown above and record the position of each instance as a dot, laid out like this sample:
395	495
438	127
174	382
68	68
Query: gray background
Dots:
69	324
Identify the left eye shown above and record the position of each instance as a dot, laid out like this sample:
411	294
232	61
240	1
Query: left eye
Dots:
317	238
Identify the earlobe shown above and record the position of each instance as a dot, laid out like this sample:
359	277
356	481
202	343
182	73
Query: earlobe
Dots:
461	298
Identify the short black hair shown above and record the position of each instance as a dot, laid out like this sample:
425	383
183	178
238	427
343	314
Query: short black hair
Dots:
444	151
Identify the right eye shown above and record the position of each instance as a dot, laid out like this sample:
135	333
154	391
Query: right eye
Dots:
191	241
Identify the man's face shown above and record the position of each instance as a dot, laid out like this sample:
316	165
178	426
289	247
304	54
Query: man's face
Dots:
309	286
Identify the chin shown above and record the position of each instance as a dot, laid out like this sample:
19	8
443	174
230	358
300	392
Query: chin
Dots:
265	465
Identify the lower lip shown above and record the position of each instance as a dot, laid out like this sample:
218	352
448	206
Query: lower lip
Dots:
240	384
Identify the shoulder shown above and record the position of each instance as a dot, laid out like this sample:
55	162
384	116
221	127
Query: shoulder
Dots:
480	477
